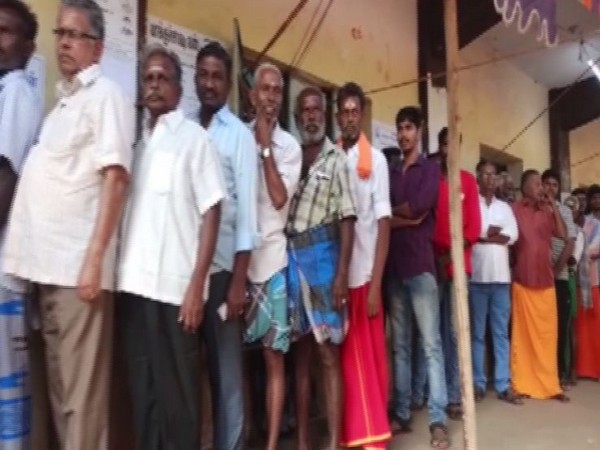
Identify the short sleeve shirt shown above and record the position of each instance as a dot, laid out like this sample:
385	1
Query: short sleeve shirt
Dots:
372	200
20	117
176	179
324	195
271	255
56	205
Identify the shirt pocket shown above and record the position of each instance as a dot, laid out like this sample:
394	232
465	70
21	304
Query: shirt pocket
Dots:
160	172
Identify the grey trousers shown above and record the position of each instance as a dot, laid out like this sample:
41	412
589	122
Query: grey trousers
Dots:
223	343
163	364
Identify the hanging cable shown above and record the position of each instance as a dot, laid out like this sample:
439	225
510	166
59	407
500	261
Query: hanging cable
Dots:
550	105
314	33
307	32
286	23
462	68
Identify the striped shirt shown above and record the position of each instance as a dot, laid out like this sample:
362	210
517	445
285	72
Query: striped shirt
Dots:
324	194
559	244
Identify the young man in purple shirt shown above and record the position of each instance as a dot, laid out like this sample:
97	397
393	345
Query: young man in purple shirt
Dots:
412	290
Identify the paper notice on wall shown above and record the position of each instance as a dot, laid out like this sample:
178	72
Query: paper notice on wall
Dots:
119	60
383	135
36	75
185	43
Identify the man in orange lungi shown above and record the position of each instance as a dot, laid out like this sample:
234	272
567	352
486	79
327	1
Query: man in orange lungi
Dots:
534	319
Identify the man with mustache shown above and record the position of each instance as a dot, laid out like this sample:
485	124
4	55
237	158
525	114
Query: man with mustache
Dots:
279	170
320	229
363	352
534	364
20	115
169	237
237	237
413	291
62	231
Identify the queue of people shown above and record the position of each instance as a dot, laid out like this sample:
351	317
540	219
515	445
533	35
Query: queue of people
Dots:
204	231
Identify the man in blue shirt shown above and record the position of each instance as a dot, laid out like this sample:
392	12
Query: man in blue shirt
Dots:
237	237
20	116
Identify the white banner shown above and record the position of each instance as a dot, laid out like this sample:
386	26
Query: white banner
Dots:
383	135
119	60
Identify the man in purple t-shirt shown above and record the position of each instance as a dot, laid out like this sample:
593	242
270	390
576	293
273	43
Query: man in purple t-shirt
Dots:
412	288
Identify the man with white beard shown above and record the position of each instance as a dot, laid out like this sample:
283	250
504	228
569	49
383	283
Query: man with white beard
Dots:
320	236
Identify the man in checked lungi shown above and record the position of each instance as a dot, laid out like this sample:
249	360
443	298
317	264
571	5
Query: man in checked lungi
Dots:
320	230
279	169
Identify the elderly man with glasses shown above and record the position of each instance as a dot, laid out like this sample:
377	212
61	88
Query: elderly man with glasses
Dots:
62	230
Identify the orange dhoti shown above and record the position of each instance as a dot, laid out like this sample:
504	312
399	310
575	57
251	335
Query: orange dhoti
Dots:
534	362
364	368
588	338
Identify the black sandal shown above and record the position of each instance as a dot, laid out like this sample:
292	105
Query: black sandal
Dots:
479	395
400	426
454	411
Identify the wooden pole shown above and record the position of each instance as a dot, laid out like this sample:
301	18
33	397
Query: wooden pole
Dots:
461	306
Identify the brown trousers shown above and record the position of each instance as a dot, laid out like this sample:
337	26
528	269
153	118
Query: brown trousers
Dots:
78	342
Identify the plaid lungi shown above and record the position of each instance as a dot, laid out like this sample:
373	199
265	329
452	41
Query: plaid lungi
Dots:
267	314
313	259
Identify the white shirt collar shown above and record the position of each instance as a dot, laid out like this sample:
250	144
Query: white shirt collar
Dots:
85	77
170	120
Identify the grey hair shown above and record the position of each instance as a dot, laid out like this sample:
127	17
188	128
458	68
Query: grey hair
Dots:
157	49
94	13
310	90
267	66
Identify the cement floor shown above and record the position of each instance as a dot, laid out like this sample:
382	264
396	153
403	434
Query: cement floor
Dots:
537	425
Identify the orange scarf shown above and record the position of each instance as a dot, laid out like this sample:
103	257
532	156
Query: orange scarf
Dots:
364	167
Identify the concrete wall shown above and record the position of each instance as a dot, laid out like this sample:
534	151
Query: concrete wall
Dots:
585	154
46	11
496	102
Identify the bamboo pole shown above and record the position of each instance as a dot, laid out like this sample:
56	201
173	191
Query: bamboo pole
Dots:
460	307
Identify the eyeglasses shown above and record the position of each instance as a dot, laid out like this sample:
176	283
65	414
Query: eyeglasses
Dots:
72	35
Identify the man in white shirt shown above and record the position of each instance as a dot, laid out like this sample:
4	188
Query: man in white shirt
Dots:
62	230
169	238
489	289
279	172
20	116
363	353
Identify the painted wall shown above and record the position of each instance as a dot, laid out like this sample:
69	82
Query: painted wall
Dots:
496	102
354	43
46	11
585	154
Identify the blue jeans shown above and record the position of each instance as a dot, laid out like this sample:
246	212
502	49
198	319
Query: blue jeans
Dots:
449	343
418	295
419	373
493	300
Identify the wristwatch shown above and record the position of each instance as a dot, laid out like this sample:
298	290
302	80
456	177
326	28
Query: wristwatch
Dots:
265	152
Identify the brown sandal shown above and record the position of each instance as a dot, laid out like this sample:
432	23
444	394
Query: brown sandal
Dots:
561	398
511	397
439	436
